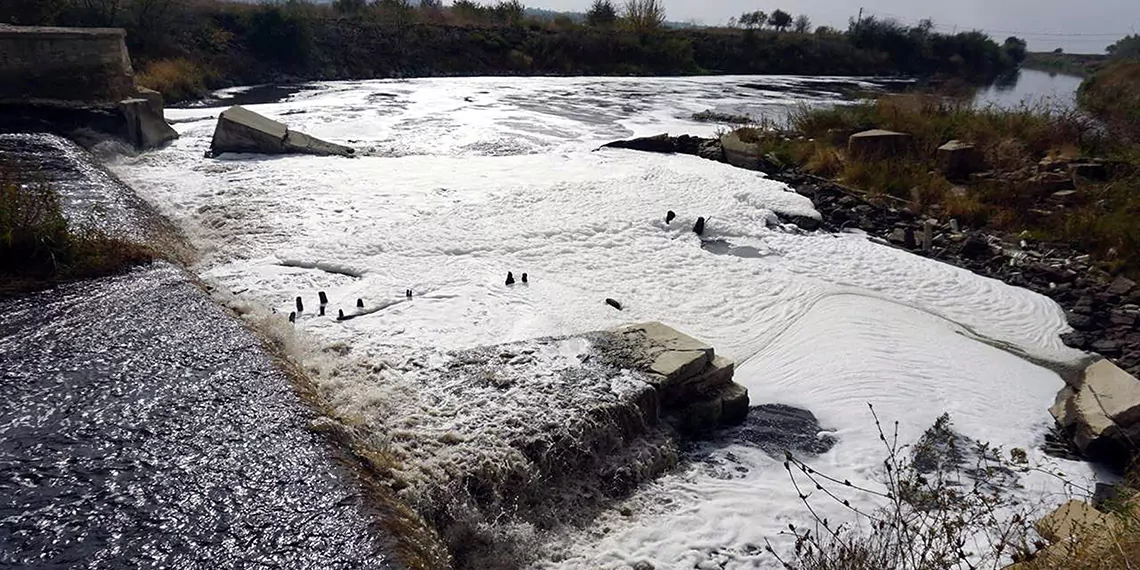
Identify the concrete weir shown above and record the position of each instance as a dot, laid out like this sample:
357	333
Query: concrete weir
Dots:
76	80
544	433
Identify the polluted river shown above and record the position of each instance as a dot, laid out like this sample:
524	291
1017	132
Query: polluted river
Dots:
146	424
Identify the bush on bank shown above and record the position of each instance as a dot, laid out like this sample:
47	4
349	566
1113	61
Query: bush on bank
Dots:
39	247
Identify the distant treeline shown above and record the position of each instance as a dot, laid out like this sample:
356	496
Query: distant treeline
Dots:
185	47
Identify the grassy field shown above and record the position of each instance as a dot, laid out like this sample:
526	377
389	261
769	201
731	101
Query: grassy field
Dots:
1081	65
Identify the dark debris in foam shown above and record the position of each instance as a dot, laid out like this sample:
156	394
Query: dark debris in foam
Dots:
775	429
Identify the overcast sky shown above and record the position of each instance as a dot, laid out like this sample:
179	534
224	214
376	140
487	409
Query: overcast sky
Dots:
1047	24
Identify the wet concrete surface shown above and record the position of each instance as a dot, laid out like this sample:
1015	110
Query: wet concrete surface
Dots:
141	426
90	196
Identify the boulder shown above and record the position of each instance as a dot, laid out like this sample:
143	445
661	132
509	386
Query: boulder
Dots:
975	247
1121	286
711	150
808	223
145	125
958	159
878	143
1102	413
1054	164
739	153
1050	182
242	130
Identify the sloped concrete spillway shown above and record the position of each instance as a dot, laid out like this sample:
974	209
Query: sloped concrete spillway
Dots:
142	427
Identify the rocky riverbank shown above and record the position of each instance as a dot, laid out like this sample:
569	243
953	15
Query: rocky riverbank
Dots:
1102	309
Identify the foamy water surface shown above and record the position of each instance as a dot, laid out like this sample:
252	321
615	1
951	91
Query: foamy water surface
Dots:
462	180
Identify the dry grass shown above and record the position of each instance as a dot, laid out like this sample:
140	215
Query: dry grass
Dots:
933	119
1113	94
177	79
1110	544
1103	217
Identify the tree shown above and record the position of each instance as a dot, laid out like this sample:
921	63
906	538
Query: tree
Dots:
1127	47
602	13
644	15
780	20
31	12
431	10
802	25
1015	48
469	11
508	12
400	13
755	19
349	6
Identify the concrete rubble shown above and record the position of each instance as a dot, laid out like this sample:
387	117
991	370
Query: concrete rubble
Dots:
242	130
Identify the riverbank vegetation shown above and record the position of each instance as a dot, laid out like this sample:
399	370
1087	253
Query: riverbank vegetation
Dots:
1080	65
185	48
39	247
1052	174
949	504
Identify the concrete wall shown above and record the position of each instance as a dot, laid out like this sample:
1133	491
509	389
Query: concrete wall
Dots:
88	65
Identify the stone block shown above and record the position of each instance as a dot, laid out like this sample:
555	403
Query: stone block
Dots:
242	130
739	153
878	144
958	159
1073	519
1116	391
145	127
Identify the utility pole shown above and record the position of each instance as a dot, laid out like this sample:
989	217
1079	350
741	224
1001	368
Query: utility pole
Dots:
859	20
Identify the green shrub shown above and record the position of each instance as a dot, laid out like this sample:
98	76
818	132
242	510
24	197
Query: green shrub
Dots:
38	246
1113	95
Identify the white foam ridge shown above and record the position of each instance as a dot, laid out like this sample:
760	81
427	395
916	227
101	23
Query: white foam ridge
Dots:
462	180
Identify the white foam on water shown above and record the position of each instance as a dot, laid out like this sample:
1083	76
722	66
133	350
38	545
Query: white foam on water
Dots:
463	180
